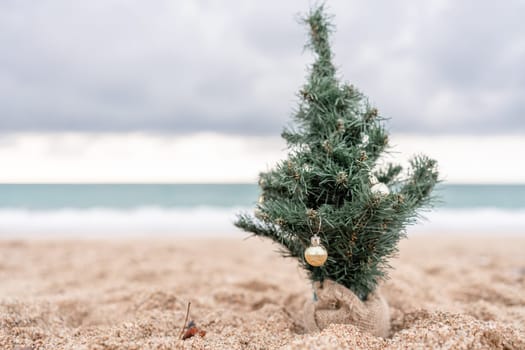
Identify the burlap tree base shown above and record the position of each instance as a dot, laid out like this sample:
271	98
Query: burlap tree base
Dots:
338	304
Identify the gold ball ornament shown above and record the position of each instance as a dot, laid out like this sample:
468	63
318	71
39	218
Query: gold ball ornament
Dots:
316	254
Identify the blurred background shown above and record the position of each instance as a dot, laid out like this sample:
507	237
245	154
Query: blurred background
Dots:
144	118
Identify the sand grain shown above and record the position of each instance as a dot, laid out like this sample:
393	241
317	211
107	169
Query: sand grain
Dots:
445	293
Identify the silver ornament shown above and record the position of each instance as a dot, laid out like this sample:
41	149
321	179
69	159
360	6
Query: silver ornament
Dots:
378	188
364	140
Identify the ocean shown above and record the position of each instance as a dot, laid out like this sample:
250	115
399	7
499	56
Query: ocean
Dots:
207	210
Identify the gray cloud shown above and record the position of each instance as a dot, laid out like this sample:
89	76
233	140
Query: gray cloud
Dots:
185	66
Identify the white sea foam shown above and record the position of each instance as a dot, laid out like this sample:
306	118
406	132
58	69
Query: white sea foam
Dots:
473	221
105	222
216	222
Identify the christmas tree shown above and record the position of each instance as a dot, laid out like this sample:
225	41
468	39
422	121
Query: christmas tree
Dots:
334	197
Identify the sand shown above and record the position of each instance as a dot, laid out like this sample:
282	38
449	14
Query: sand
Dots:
445	293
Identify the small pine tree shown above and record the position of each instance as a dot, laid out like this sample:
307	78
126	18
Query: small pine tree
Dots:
325	187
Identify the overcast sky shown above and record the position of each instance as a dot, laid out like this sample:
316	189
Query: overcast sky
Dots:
189	66
199	90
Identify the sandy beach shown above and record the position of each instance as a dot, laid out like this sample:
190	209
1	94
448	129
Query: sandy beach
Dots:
445	292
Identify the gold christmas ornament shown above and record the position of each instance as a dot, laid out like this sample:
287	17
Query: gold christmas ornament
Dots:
316	254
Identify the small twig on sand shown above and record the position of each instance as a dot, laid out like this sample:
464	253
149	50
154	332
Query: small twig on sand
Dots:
185	320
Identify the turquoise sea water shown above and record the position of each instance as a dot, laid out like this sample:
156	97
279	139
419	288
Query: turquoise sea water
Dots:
128	196
183	209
